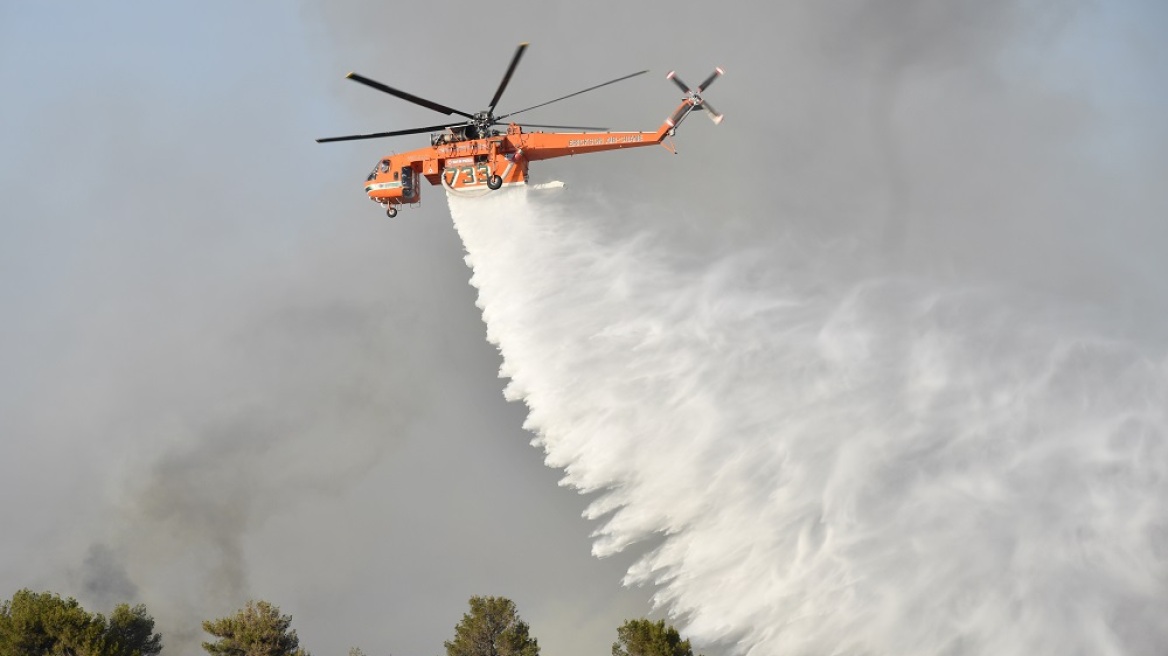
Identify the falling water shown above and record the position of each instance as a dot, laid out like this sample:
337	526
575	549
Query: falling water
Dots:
825	462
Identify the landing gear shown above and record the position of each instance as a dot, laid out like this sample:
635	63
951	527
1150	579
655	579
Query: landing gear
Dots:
494	182
391	211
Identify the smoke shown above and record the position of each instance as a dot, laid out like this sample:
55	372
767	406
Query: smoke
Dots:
295	398
828	460
104	577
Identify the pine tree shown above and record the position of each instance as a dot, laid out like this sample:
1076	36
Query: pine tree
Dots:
645	638
492	628
130	632
258	629
35	624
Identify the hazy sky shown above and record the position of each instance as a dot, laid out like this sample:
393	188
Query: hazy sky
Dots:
224	374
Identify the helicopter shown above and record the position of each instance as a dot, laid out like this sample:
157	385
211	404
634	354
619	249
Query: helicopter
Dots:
471	157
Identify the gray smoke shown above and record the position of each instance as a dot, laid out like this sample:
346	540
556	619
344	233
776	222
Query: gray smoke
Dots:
104	577
295	398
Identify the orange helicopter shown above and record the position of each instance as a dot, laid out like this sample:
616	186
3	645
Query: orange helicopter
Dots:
471	155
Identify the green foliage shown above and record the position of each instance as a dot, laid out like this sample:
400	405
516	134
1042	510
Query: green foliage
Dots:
492	628
258	629
39	624
130	632
43	623
644	638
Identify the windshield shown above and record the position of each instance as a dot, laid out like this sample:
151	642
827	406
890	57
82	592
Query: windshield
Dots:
380	167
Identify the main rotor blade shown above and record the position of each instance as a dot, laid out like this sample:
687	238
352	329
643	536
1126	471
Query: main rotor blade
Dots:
396	133
409	97
507	77
676	80
619	79
559	127
710	80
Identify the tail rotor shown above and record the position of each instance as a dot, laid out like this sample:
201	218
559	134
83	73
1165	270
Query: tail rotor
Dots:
694	98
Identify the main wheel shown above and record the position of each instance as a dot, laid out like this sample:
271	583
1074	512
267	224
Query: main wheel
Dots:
494	182
391	211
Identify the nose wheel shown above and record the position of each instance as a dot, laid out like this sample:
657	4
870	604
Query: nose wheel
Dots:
391	211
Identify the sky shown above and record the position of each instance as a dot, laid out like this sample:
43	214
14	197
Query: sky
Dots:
224	374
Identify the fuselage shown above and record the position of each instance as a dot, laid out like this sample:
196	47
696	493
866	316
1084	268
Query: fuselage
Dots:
489	162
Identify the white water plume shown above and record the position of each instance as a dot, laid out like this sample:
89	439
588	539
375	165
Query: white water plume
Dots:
835	464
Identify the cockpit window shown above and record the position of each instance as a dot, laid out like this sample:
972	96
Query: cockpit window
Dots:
384	166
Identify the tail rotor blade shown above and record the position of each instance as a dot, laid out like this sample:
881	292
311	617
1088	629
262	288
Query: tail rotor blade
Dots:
676	80
713	113
710	80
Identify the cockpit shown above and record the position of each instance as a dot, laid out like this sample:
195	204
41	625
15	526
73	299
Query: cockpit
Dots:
381	167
